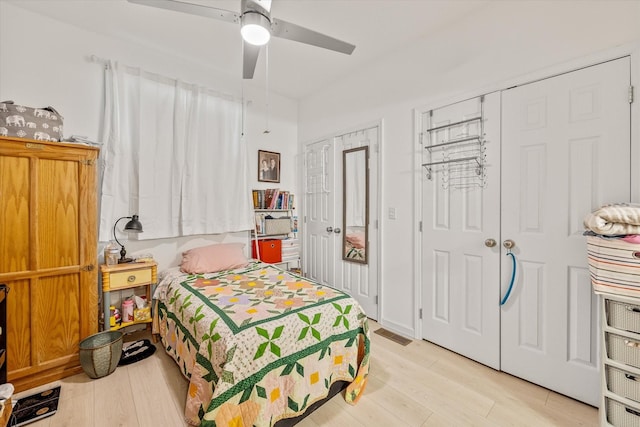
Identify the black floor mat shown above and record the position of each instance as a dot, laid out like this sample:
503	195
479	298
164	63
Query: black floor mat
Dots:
136	351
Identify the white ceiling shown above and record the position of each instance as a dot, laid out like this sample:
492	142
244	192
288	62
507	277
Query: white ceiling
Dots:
376	27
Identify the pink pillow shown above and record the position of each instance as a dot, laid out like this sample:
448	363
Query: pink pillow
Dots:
356	240
212	258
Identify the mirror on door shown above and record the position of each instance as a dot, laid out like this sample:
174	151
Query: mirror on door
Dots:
355	206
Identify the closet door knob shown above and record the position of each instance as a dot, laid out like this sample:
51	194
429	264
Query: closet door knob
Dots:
490	243
509	244
329	229
336	230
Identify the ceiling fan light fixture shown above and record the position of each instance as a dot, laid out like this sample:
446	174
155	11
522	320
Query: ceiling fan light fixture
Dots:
256	28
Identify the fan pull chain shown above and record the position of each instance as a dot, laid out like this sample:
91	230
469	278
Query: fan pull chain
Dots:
267	89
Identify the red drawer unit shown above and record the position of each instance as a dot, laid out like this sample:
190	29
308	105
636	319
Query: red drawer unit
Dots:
270	250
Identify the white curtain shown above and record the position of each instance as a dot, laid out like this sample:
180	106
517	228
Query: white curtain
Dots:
174	154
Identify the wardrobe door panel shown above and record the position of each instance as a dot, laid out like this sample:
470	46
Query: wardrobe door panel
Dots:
15	215
57	318
58	203
18	326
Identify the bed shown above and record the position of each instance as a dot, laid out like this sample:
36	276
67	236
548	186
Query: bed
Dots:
259	344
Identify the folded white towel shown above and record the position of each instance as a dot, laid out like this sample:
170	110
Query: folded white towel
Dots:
613	220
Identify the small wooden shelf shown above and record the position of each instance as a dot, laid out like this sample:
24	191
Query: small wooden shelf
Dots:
126	276
125	324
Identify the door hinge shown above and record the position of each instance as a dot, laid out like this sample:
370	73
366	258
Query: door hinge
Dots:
376	299
420	226
420	313
630	94
305	219
376	225
87	162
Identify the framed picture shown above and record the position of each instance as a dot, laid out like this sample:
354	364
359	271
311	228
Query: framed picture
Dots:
268	166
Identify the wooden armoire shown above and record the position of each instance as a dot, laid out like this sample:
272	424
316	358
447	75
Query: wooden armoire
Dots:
48	252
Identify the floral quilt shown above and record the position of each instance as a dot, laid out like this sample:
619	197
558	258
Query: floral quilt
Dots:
259	344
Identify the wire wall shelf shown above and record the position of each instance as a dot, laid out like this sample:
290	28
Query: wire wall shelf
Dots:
458	157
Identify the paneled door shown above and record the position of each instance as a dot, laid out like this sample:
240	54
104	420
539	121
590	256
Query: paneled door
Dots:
460	271
565	151
319	217
356	279
323	218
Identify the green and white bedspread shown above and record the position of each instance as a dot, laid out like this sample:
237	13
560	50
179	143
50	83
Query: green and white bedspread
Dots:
259	344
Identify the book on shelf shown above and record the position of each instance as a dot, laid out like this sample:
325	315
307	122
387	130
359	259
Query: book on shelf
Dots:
272	198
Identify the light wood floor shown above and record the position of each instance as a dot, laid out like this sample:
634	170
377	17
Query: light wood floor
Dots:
417	385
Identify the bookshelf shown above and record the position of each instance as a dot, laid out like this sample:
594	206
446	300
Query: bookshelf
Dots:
275	218
272	199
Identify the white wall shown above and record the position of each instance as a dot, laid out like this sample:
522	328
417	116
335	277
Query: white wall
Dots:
45	62
483	52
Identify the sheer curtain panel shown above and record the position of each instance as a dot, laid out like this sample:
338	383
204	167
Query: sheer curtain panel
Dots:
173	153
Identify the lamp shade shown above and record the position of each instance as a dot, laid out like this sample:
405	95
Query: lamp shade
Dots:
133	226
256	28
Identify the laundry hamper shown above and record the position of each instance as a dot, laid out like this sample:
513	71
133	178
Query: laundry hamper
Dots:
614	266
100	353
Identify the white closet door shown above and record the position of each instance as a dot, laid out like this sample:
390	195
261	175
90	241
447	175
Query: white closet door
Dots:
323	212
565	151
360	281
460	274
319	205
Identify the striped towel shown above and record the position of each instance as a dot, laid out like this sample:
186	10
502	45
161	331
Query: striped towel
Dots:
614	220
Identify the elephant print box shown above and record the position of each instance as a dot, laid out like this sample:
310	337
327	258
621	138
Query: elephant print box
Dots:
19	121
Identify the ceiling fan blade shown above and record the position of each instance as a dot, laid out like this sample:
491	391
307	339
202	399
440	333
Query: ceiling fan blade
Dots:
287	30
192	8
249	59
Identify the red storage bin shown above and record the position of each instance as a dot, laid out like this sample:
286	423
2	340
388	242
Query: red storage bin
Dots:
270	250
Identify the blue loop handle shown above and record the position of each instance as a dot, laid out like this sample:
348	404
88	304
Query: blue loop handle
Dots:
513	279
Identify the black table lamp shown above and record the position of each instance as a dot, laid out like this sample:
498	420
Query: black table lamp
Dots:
133	226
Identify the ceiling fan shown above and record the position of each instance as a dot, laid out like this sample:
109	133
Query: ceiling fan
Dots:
256	26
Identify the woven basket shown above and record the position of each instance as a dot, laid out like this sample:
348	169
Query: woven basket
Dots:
623	315
622	383
100	353
623	349
621	415
277	225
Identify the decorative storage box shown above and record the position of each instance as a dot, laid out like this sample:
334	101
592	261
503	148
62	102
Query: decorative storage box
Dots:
277	225
290	249
270	250
42	123
614	266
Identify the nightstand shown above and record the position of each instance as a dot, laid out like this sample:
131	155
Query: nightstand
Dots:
126	276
